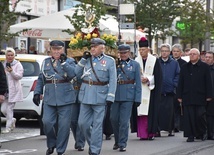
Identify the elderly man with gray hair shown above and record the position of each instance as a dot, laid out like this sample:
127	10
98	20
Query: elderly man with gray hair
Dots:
176	55
170	70
194	91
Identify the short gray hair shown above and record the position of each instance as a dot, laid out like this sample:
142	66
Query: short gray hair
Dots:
178	46
166	45
195	50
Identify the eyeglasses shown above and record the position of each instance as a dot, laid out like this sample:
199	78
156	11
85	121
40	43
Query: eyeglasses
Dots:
165	50
193	54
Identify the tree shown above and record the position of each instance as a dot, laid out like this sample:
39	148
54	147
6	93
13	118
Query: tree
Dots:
7	18
93	7
156	15
194	21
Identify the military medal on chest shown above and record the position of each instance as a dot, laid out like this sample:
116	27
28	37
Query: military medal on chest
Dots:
103	63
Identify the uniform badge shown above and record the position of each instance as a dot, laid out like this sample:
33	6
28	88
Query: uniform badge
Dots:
103	62
65	74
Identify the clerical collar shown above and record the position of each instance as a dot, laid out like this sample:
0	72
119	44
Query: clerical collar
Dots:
177	59
194	63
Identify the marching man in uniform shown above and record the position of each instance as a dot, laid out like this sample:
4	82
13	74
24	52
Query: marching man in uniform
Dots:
128	92
98	73
56	74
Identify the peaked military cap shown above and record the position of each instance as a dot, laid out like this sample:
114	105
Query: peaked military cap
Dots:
97	41
57	43
124	48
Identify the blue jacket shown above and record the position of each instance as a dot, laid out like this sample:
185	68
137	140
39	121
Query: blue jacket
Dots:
56	94
129	92
105	69
170	70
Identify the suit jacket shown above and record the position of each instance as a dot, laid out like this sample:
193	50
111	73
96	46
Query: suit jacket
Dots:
195	84
3	80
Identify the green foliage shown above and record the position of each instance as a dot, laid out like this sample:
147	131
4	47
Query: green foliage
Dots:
195	19
7	18
96	7
157	15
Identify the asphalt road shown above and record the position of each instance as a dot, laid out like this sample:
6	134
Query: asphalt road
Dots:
25	140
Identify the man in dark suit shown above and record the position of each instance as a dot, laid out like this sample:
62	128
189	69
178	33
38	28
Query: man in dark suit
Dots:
3	88
176	54
194	90
209	59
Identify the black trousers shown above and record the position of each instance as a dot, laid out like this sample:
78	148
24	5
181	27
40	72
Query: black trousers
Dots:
195	124
107	127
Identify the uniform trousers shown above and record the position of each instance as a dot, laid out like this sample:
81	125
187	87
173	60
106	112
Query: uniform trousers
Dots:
77	133
120	118
7	110
91	123
56	121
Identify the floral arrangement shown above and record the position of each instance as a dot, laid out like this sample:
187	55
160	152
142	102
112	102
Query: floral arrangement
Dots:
81	40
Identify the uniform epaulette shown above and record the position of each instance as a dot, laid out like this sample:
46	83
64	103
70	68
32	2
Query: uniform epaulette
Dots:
107	56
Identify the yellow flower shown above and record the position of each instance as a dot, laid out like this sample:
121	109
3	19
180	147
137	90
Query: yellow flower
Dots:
94	35
88	36
104	35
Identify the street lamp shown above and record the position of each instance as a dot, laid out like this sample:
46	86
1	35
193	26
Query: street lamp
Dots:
127	9
207	40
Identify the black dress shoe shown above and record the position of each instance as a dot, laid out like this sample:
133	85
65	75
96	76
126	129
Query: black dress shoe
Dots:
151	138
50	151
122	149
190	139
108	137
204	137
80	148
176	130
158	134
115	147
171	134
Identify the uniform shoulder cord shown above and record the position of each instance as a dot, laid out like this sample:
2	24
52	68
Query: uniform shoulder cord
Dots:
92	67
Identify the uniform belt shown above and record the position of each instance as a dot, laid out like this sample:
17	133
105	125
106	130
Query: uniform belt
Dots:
56	81
95	83
126	82
76	87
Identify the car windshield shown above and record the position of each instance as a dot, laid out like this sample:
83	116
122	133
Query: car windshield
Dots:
30	68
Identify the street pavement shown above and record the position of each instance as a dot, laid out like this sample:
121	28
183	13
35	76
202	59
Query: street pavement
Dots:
25	140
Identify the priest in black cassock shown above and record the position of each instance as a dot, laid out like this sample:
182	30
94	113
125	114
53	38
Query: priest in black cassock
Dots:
176	55
144	118
193	92
209	59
